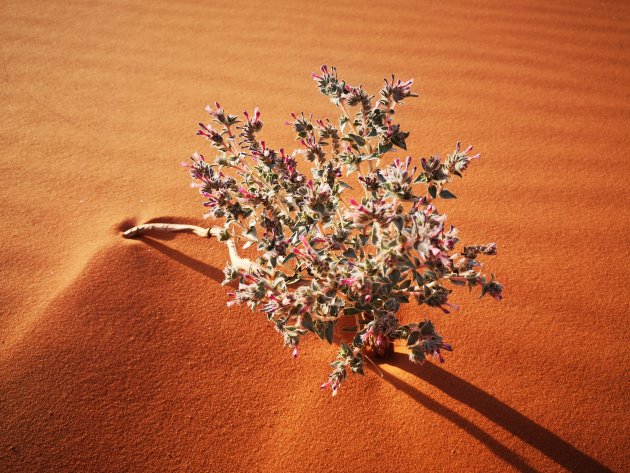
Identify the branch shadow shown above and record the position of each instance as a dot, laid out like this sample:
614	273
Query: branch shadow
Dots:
194	264
460	421
542	439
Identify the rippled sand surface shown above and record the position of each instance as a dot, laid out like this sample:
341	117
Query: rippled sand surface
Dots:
121	355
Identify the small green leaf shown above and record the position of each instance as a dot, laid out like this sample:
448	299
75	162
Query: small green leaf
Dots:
358	139
295	278
307	322
384	148
413	338
458	283
350	253
427	328
405	284
433	191
422	177
252	233
446	194
319	330
319	208
358	341
343	186
400	142
329	333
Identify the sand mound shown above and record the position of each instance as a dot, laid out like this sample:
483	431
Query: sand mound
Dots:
128	369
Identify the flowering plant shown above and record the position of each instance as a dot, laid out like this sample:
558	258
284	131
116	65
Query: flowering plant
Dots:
324	256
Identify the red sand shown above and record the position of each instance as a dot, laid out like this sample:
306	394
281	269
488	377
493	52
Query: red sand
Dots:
121	355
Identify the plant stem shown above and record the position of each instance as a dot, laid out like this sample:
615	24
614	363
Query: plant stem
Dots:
345	112
170	227
378	370
242	264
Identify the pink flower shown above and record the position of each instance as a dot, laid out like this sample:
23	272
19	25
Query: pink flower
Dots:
490	249
365	337
334	383
347	281
246	193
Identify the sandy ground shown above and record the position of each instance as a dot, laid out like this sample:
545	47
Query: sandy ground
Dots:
121	355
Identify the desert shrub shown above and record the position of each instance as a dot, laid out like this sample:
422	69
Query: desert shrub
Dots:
323	255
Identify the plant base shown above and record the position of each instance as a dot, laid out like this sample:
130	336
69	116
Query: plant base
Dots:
380	350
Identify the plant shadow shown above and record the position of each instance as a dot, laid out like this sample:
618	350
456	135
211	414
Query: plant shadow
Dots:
192	263
154	239
545	441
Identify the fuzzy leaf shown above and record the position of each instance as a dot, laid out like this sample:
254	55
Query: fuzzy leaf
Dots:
384	148
330	332
427	328
358	341
319	208
457	283
343	186
295	278
319	330
413	338
350	253
307	322
358	139
252	233
422	177
400	142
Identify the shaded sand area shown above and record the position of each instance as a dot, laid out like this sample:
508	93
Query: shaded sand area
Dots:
121	355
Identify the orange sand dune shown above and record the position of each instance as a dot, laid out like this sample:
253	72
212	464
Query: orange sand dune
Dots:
121	355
